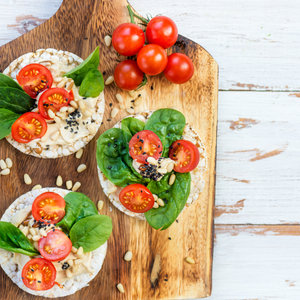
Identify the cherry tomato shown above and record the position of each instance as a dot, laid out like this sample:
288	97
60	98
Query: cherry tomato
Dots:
127	75
28	127
54	99
48	207
179	69
144	144
128	39
162	31
152	59
185	154
136	198
55	246
34	79
39	274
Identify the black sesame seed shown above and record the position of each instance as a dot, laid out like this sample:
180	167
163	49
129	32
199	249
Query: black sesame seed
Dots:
166	279
169	238
110	104
139	95
151	87
108	120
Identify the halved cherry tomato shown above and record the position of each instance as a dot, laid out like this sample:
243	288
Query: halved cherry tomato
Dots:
48	207
55	246
28	127
162	31
128	39
185	154
39	274
54	99
144	144
137	198
152	59
34	79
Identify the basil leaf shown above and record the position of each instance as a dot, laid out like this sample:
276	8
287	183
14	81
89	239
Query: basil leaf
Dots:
15	100
79	72
168	124
12	239
91	232
7	81
78	206
92	84
175	198
7	118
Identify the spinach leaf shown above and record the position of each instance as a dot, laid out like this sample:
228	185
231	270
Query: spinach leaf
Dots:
15	100
91	232
175	198
78	73
78	206
12	239
92	84
157	187
7	81
7	118
168	124
130	127
112	158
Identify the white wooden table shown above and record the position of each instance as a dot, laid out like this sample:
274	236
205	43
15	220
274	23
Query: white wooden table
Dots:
257	46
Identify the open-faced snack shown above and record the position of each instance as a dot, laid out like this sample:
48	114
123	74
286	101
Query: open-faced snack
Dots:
51	102
53	241
150	165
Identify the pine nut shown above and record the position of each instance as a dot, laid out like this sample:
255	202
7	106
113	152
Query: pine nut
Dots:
79	153
74	250
76	186
172	179
36	187
189	260
82	105
109	80
59	181
35	238
119	98
27	179
9	162
107	40
29	236
80	252
51	114
3	164
170	167
160	202
81	168
131	93
155	205
114	112
120	288
5	172
69	184
151	160
64	109
162	170
130	110
128	256
71	109
54	136
100	205
32	231
70	262
74	104
69	273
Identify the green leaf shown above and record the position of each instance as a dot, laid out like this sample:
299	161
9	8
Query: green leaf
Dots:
175	198
157	187
130	127
78	73
7	81
78	206
92	84
15	100
91	232
7	118
168	124
12	239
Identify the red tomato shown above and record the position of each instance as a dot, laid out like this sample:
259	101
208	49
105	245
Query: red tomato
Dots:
55	246
179	69
152	59
54	99
136	198
34	79
28	127
39	274
128	39
49	207
185	154
162	31
144	144
127	75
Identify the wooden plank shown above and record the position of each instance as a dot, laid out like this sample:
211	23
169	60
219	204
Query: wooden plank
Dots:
256	262
85	25
258	158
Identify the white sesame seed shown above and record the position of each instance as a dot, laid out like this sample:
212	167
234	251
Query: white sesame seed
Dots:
5	172
3	164
27	179
69	184
128	256
130	110
9	162
81	168
36	187
107	40
114	112
155	205
100	205
109	80
189	260
51	114
59	181
76	186
74	104
79	153
172	179
160	202
119	98
120	288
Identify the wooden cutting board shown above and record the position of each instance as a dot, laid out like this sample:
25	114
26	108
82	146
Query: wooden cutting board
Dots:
79	26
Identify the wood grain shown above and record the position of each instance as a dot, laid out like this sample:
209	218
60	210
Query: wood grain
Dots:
84	27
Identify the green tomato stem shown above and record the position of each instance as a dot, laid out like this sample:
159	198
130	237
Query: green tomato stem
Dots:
132	15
